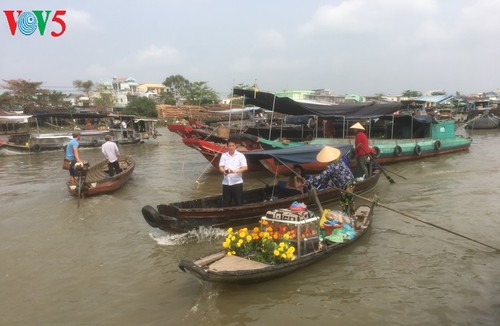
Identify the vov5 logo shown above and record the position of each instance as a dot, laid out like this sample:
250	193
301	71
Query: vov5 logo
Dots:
28	22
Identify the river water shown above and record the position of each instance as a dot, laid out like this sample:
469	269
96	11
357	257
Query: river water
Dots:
102	264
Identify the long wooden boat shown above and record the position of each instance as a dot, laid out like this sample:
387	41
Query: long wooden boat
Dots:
213	151
486	120
96	181
222	268
187	215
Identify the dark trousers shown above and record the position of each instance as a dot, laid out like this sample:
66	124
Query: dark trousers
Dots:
232	195
114	168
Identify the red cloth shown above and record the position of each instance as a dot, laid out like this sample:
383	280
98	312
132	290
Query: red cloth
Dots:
361	144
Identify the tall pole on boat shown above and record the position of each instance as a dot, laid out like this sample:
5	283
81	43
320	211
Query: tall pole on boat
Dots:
272	117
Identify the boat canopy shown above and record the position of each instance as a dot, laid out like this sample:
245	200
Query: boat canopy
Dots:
295	155
286	105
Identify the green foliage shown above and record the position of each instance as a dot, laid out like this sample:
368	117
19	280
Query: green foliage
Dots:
177	88
201	94
142	106
104	102
410	93
31	97
84	86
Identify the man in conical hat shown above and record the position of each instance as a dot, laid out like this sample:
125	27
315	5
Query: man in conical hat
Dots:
361	149
337	173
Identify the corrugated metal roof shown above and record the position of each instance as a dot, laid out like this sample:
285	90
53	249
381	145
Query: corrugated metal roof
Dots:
433	99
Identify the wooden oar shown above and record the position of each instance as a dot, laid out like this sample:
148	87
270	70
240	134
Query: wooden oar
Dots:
386	169
391	180
421	221
388	177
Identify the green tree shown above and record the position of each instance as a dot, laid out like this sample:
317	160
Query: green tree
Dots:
177	88
84	86
26	94
200	94
410	93
142	106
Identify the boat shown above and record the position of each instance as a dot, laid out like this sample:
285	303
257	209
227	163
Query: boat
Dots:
395	136
220	267
180	217
213	151
95	128
96	181
485	120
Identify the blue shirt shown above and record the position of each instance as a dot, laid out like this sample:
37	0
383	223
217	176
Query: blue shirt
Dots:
70	153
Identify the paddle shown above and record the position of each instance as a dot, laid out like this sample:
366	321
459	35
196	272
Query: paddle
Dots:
388	177
79	189
387	170
422	221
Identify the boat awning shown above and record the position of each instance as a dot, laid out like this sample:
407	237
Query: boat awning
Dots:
15	118
145	120
286	105
295	155
238	110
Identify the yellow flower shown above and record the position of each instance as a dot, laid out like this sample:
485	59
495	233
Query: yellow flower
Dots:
225	244
242	234
249	238
230	230
233	238
286	236
229	253
276	252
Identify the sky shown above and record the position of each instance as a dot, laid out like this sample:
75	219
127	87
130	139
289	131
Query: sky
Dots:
365	47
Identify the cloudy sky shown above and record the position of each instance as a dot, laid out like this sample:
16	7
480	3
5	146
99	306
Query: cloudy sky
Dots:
347	46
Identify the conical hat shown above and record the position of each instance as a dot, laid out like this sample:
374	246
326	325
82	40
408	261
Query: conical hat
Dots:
328	154
357	125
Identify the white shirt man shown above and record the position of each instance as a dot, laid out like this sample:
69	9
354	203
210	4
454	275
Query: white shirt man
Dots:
111	153
232	164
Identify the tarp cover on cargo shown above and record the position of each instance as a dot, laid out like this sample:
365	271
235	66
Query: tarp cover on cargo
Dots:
295	155
286	105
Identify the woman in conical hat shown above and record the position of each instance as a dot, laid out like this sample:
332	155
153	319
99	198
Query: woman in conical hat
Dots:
361	149
336	174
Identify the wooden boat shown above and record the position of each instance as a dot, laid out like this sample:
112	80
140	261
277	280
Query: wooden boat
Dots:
486	120
213	151
222	268
96	181
191	214
395	136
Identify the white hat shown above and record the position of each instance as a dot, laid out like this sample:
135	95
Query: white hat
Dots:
357	125
328	154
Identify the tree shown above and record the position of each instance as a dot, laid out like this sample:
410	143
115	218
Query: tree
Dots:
410	93
142	106
26	94
105	99
84	86
200	94
177	87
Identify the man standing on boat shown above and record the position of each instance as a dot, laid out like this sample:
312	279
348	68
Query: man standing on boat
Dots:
73	156
232	164
111	153
361	149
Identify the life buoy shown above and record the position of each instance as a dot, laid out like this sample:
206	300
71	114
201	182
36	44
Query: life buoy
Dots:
95	143
377	152
397	150
36	148
151	216
437	145
418	150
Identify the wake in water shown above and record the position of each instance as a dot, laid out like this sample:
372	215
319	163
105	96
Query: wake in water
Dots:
198	235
